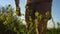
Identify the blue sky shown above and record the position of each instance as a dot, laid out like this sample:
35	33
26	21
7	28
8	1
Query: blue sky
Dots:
55	8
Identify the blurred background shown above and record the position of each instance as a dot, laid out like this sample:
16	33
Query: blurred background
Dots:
8	18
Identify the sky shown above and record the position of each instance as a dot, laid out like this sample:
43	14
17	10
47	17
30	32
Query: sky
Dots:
55	9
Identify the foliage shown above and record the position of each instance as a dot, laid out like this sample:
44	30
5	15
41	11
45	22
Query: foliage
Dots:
53	31
10	23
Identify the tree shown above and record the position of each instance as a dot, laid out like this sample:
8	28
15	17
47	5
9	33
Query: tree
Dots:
17	7
37	14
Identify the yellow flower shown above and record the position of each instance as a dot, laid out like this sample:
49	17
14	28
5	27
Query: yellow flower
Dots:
36	13
40	16
47	13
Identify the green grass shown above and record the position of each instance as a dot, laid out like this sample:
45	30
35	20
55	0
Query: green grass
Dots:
53	31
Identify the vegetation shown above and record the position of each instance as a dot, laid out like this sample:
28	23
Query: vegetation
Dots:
11	24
